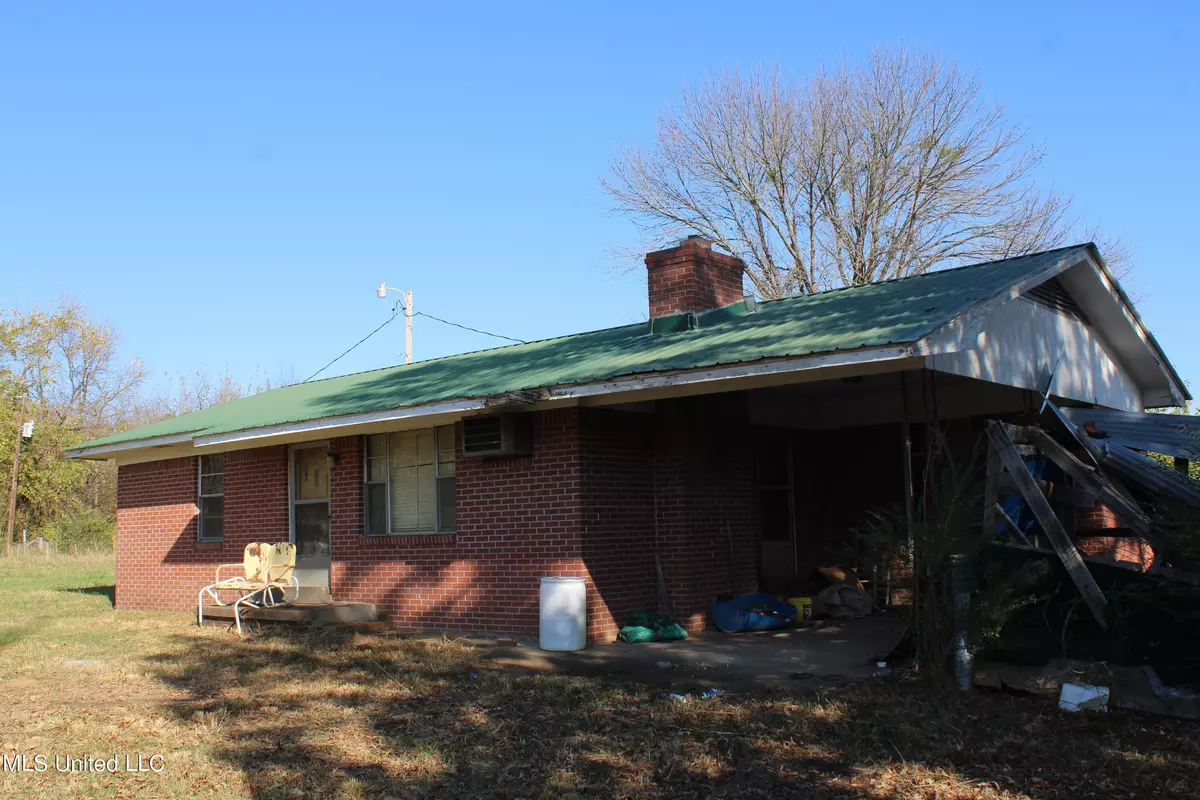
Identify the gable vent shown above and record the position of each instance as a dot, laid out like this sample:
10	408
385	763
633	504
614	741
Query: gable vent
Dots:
497	435
1053	296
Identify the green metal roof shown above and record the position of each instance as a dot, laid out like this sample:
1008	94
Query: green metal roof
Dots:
891	312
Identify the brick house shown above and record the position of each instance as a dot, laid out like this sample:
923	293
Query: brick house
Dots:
736	443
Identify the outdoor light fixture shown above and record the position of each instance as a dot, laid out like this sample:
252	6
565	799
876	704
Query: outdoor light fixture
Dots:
381	292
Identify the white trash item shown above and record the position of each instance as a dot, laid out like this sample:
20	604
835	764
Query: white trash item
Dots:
563	617
1083	697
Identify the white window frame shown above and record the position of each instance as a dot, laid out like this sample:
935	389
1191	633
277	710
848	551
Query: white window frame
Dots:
387	483
200	496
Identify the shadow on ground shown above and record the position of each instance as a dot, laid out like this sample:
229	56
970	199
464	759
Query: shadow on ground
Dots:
334	712
11	634
108	592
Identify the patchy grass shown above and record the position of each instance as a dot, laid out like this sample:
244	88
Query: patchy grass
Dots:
341	713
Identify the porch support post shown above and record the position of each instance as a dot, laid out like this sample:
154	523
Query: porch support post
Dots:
964	662
909	505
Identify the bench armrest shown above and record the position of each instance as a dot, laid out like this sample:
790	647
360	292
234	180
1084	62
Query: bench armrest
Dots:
240	566
278	568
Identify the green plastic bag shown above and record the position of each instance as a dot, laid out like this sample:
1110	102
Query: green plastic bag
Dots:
641	619
636	634
646	627
672	632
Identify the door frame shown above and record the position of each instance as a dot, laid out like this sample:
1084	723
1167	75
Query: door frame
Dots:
291	479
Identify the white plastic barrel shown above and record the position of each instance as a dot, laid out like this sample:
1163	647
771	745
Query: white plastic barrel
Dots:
563	620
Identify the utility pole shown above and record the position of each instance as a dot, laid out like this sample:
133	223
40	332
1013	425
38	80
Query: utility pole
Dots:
408	327
12	491
381	293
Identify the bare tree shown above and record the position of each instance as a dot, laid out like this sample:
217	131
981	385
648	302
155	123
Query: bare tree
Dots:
869	172
203	388
200	390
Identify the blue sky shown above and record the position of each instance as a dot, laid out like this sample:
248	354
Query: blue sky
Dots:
228	182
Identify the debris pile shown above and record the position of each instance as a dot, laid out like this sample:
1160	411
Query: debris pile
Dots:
1079	486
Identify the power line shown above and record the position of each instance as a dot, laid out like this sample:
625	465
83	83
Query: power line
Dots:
468	328
395	313
356	344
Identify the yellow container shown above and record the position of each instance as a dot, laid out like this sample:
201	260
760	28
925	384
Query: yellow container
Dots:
803	606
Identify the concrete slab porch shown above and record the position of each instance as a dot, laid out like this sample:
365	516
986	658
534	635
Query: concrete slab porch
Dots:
300	612
793	658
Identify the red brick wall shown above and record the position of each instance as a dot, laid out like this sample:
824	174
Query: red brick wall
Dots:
158	561
618	516
691	277
1097	518
1128	549
581	505
704	478
256	498
517	520
160	565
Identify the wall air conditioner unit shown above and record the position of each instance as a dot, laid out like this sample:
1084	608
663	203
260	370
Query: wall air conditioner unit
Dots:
509	434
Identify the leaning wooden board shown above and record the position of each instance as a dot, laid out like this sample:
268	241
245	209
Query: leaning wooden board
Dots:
1007	452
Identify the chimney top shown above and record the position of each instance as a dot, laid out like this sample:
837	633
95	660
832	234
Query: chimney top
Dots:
691	276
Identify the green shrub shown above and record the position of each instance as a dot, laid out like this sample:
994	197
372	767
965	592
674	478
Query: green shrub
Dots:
84	530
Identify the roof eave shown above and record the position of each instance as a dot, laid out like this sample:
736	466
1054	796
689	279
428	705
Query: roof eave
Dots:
952	333
1178	389
729	376
103	452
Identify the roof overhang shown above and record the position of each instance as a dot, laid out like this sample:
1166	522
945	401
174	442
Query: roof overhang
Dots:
627	389
1113	316
155	443
1109	310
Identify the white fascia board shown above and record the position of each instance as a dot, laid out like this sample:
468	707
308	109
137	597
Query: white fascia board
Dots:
104	451
1178	392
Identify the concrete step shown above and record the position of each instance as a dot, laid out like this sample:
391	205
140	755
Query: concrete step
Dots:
314	594
300	612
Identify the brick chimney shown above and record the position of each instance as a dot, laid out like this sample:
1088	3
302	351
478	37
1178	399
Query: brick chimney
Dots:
691	277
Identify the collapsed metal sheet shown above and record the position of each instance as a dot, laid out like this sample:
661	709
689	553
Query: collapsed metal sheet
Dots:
1170	434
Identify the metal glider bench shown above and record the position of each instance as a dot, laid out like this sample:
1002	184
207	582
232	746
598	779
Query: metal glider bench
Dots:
268	580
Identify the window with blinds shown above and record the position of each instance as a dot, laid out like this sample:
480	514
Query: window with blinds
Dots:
409	477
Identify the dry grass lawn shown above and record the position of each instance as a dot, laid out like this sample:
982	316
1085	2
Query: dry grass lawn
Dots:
340	713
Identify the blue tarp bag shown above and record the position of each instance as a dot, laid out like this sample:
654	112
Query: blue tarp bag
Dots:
751	612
